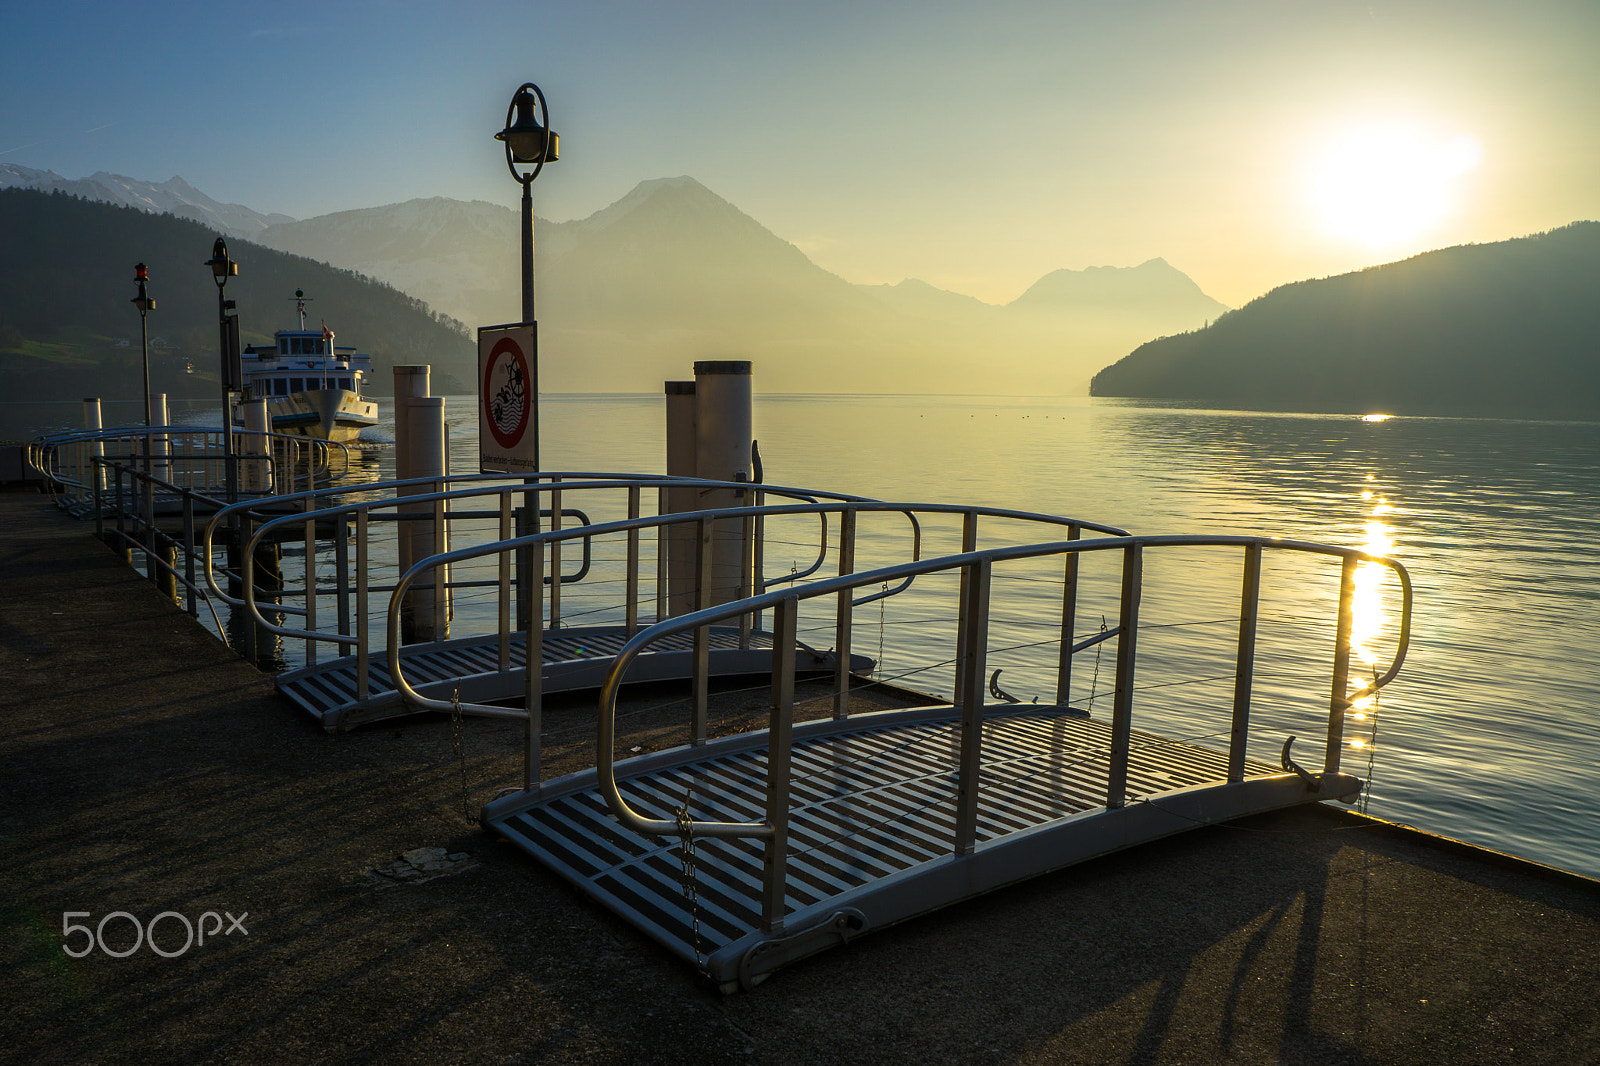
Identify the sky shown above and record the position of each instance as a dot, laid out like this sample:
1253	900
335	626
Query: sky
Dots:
976	147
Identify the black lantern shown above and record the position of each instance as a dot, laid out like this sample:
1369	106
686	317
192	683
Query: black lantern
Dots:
527	140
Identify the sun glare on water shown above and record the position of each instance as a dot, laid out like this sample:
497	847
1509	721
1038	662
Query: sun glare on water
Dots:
1388	184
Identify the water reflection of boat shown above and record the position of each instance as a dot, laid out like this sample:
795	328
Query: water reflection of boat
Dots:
311	387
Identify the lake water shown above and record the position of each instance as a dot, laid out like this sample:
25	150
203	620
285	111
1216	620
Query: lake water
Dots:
1490	732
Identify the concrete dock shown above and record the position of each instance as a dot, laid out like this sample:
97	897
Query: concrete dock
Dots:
146	769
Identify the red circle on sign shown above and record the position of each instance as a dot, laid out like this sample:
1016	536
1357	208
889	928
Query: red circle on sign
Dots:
511	398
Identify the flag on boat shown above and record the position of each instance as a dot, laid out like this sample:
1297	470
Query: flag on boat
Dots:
327	334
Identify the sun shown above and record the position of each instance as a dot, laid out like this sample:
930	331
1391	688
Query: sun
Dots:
1388	184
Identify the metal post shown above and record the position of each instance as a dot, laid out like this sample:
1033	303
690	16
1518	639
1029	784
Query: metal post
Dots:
702	634
527	251
1122	698
1339	700
780	733
311	578
188	550
843	614
662	532
632	611
746	577
974	645
1244	671
969	542
341	571
363	654
503	592
533	672
555	558
1069	620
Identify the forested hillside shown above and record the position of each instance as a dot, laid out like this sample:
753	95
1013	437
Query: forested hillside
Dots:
68	328
1511	328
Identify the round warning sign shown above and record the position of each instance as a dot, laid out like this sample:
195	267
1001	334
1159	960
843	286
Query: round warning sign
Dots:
505	399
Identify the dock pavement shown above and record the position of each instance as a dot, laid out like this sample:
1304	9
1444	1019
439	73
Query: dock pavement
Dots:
146	769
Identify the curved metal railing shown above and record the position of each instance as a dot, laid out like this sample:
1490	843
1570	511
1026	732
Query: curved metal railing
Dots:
438	504
193	458
976	568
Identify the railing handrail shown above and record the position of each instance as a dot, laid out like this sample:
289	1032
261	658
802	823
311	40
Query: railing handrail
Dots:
43	448
482	485
754	603
610	687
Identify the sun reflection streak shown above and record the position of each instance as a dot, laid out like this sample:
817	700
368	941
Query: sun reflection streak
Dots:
1369	618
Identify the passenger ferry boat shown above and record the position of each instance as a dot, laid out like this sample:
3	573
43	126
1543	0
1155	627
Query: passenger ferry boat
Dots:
311	387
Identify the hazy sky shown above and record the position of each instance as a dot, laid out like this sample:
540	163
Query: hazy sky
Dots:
975	146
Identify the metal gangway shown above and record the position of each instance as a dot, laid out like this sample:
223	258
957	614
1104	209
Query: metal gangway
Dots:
744	853
461	629
120	468
149	489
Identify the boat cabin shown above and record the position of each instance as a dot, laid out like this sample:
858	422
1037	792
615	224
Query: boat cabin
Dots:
301	361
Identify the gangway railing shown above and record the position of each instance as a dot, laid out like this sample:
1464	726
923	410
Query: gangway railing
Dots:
848	513
976	569
440	505
193	458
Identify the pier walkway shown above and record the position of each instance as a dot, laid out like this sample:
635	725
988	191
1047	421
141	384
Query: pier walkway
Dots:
146	768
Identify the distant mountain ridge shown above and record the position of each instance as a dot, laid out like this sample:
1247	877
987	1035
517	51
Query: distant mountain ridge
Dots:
68	329
671	273
1509	328
174	197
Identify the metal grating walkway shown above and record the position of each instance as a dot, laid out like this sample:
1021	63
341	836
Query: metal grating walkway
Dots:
573	659
872	820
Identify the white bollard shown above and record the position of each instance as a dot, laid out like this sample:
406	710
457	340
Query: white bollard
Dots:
410	382
161	444
93	476
722	453
427	447
256	473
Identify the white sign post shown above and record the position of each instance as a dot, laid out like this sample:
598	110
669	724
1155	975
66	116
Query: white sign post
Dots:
508	399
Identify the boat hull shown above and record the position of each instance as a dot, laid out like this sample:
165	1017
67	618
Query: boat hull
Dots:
325	414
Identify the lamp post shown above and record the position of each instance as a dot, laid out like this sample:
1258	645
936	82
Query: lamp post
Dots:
223	268
145	305
531	144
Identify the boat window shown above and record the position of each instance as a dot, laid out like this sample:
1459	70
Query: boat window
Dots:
313	383
345	383
280	387
297	384
283	345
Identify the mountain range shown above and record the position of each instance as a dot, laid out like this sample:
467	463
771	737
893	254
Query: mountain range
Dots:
1510	328
68	330
172	197
671	273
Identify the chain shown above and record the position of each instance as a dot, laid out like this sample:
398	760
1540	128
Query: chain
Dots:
456	731
881	602
1094	683
1372	741
690	890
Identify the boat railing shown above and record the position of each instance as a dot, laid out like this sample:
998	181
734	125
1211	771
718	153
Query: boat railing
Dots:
977	570
704	588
